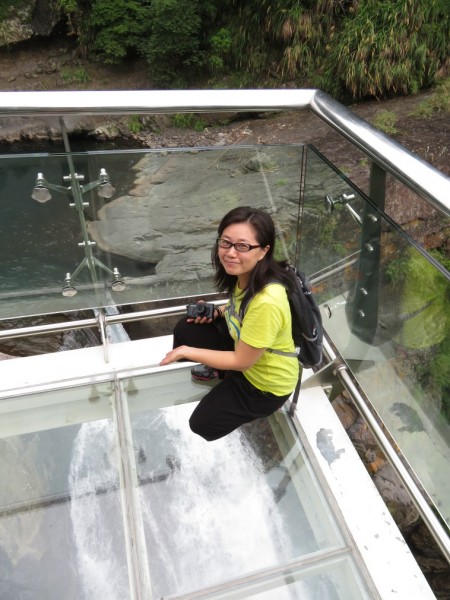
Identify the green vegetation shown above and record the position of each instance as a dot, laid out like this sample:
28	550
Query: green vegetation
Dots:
117	28
389	48
188	121
438	101
78	75
386	121
424	295
5	7
353	50
134	124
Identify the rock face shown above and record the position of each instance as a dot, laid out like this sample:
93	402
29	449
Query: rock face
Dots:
170	215
27	19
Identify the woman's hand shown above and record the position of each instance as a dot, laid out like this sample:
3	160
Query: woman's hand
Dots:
174	355
203	320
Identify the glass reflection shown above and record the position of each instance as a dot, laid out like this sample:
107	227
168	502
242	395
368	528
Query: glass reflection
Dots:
386	308
151	240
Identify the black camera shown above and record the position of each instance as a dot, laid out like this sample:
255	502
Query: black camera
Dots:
202	309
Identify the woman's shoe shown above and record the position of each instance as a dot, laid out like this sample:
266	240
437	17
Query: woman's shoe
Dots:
204	373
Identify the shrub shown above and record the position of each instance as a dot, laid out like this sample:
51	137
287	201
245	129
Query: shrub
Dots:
116	27
386	121
173	46
388	48
188	121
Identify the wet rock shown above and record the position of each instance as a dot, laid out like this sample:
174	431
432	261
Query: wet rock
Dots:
345	411
396	498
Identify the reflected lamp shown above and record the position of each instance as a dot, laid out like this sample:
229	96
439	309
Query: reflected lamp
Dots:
105	189
41	193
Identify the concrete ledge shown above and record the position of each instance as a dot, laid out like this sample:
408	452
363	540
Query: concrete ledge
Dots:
393	569
85	363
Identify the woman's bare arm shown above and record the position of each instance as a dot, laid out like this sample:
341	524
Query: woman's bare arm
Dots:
240	359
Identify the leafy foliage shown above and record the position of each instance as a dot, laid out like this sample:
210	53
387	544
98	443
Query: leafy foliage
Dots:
6	6
173	45
117	27
388	48
386	121
438	101
354	48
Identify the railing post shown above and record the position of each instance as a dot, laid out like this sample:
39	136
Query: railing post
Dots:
362	306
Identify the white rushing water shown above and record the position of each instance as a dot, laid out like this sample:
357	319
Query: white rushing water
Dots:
97	522
215	517
212	518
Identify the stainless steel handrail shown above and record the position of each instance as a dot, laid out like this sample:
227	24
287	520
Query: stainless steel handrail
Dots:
417	174
93	322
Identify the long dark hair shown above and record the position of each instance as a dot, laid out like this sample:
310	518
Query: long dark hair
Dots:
267	270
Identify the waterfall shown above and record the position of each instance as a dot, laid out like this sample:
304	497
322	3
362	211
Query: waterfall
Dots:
79	338
208	511
96	514
214	517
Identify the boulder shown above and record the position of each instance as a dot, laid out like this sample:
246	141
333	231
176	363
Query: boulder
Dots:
27	19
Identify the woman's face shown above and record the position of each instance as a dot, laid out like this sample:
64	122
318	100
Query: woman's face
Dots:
237	263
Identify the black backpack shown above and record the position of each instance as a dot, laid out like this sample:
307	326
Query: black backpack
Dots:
307	330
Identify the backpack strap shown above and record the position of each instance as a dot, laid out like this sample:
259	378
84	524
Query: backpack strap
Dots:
239	316
282	353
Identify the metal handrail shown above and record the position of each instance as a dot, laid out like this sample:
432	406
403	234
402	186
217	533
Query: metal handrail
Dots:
93	322
428	182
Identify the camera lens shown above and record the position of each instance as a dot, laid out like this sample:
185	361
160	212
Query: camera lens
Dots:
201	310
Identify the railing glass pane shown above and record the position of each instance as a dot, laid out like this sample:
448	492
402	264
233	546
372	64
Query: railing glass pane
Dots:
157	229
386	308
215	513
61	524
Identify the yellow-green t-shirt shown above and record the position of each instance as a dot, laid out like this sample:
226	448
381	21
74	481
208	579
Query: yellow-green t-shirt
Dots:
266	324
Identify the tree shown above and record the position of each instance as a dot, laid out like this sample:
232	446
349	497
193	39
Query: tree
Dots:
118	27
173	47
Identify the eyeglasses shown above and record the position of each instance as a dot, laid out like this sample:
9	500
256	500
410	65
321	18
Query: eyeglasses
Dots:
239	246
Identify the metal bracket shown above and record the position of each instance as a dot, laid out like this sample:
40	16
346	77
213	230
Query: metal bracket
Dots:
102	327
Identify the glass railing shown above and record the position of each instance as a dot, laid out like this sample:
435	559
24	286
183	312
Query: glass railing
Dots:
386	308
115	497
111	228
385	305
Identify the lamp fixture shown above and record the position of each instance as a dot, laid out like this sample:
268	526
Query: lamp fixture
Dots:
75	188
68	289
117	285
105	189
41	193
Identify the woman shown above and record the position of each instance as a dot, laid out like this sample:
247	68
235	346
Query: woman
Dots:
256	381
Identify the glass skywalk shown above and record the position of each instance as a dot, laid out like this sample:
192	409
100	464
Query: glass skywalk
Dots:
115	497
108	494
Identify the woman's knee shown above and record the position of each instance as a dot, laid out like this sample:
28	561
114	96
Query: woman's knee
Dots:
199	428
181	333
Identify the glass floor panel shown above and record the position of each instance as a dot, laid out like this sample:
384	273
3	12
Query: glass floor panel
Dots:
60	505
109	467
219	512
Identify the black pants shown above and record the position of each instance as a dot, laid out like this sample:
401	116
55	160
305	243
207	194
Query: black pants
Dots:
234	400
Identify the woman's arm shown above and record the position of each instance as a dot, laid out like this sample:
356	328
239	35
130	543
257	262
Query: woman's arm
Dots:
240	359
